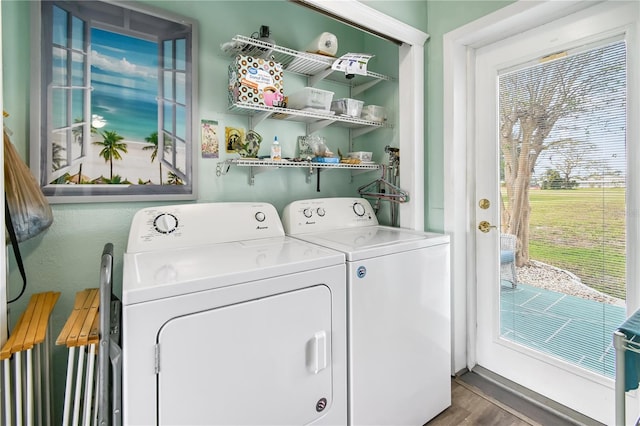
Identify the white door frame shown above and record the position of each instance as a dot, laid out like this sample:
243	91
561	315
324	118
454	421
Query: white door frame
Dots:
460	46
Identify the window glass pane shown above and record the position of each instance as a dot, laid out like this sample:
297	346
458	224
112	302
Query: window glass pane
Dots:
168	148
59	150
77	34
181	54
181	88
76	145
168	118
564	202
77	105
181	158
168	54
59	27
181	119
59	66
77	69
168	85
59	110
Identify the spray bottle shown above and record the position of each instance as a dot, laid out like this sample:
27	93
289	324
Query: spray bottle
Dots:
276	152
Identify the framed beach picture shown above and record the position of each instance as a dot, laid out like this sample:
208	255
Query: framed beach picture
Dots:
114	112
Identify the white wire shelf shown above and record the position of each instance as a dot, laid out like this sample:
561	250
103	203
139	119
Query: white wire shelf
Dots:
307	64
316	120
245	162
257	166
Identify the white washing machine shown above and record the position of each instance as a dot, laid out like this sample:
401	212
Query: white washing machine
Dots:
398	309
228	321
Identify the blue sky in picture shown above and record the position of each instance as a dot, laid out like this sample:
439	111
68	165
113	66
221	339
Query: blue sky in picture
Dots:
124	76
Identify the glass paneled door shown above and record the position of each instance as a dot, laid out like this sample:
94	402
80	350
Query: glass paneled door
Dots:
552	185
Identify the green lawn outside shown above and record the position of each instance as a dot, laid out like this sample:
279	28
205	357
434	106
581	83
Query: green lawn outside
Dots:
582	231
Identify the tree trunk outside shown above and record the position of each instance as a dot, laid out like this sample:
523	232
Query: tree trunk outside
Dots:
531	102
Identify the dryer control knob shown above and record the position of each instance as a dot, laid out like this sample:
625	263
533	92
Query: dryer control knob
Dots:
320	211
260	216
359	209
165	223
307	212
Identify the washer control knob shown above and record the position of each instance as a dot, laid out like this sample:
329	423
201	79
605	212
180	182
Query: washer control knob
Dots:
320	211
307	212
260	216
165	223
359	209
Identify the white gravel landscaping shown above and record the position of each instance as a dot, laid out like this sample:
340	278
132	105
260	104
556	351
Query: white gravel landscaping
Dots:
549	277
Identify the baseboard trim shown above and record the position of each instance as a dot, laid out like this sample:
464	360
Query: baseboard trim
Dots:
561	411
494	401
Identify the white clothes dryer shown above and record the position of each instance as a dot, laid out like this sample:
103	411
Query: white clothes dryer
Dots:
228	321
398	309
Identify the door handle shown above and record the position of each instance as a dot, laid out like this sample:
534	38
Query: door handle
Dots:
317	352
485	226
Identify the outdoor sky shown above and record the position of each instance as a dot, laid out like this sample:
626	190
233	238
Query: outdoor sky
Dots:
602	123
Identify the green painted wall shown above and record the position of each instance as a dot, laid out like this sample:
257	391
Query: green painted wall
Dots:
66	257
442	17
410	12
436	18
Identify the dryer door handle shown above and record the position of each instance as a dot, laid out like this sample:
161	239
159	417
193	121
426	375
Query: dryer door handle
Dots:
317	353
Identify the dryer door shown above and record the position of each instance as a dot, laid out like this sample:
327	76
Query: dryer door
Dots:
265	361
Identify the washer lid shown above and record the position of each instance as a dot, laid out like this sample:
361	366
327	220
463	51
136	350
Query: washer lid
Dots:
372	241
166	273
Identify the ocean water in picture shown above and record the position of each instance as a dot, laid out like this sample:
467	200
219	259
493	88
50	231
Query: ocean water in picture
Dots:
124	77
135	120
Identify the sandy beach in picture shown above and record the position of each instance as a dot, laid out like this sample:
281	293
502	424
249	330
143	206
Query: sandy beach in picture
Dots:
135	164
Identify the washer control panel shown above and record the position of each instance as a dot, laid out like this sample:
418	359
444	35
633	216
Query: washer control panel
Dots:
188	225
327	214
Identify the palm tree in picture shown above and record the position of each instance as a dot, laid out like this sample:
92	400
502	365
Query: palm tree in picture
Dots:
153	140
174	179
77	130
117	179
59	156
111	148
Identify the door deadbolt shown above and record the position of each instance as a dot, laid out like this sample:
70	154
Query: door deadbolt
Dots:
485	226
484	204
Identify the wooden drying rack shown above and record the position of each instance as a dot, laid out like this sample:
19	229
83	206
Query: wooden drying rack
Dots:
28	389
82	326
31	328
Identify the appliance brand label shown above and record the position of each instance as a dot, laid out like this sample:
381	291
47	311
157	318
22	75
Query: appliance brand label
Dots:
262	227
361	272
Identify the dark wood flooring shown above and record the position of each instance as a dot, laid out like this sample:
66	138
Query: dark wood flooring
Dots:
470	406
478	401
